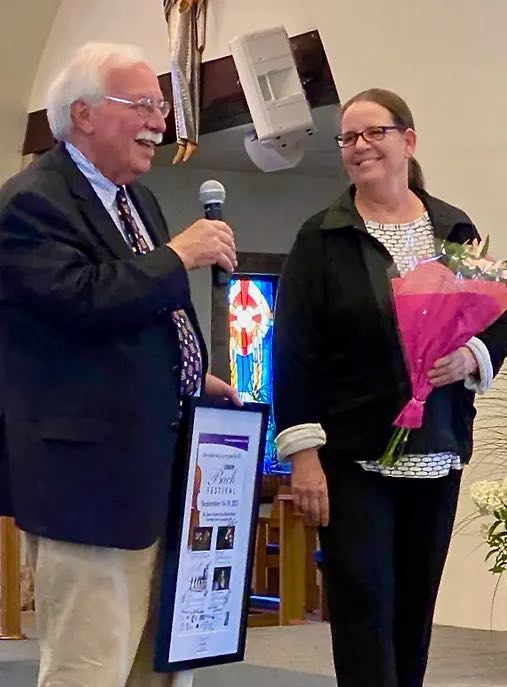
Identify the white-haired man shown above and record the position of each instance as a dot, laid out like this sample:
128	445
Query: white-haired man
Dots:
100	342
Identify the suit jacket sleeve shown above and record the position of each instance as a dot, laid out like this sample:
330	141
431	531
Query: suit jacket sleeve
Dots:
298	336
47	265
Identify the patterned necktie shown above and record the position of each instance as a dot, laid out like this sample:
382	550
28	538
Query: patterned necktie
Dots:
137	241
191	367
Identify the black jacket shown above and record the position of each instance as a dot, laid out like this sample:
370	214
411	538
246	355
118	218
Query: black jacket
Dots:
92	360
337	355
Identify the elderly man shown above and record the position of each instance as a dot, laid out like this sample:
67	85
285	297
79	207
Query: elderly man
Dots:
100	342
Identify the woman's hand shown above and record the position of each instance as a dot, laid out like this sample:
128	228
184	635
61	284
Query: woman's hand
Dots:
453	367
309	487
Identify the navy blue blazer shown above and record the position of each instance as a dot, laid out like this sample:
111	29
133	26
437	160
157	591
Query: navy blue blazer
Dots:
91	358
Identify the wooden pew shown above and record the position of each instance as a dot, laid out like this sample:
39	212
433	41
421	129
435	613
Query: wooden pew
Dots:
284	550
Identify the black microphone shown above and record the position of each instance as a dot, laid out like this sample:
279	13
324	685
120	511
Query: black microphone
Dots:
212	196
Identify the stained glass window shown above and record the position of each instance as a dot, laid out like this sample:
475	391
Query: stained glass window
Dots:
251	311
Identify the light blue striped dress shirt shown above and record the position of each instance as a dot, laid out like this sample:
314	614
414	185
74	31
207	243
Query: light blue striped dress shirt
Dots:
106	191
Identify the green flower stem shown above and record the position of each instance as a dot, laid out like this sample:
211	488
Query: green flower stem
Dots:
395	448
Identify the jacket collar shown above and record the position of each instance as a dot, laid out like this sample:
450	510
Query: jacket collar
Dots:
94	211
444	217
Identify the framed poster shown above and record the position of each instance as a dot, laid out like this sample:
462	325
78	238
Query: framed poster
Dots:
212	525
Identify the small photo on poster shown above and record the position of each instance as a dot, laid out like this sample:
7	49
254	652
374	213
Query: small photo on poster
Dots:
201	538
225	538
221	578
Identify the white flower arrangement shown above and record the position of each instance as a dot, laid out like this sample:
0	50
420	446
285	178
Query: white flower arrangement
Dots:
490	497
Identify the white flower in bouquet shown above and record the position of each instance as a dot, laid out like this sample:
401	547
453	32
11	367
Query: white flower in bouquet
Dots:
485	266
472	260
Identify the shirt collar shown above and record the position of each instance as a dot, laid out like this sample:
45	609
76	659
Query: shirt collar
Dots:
104	187
444	217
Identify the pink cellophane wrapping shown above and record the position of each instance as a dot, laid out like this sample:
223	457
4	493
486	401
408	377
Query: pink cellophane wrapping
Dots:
438	312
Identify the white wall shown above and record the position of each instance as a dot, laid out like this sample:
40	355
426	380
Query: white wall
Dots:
21	43
446	58
144	24
265	211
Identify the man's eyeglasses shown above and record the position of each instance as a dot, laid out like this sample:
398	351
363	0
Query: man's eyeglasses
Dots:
144	106
370	135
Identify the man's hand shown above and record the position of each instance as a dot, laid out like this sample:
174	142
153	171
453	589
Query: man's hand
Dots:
217	387
309	487
206	242
453	367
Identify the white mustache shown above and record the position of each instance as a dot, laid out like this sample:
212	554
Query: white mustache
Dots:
147	135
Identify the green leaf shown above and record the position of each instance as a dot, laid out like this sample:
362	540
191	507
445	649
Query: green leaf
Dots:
497	569
491	553
493	527
485	248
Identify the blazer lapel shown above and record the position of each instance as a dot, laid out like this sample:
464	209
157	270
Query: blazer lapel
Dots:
97	217
90	206
101	224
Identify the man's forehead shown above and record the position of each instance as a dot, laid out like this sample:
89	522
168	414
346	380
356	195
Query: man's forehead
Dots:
135	78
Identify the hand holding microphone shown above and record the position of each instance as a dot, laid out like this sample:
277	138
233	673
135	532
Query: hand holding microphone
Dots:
208	241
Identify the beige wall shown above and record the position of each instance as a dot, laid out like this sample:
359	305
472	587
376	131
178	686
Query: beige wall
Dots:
447	58
24	27
144	24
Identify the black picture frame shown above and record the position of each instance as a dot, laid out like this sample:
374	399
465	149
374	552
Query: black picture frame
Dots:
177	537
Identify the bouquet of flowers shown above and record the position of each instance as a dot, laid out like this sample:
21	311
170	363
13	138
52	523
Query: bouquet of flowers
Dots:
440	308
491	501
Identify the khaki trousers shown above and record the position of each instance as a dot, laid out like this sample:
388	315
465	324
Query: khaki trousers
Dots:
97	613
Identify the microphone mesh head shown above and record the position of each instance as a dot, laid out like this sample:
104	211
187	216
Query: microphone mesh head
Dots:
212	192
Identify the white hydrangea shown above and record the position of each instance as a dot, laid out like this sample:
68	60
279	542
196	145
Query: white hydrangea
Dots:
489	496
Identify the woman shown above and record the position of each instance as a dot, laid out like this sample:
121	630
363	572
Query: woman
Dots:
340	380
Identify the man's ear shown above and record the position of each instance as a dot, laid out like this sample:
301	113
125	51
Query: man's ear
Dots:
80	114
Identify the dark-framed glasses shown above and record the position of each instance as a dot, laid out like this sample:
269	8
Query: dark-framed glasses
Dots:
370	135
144	106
